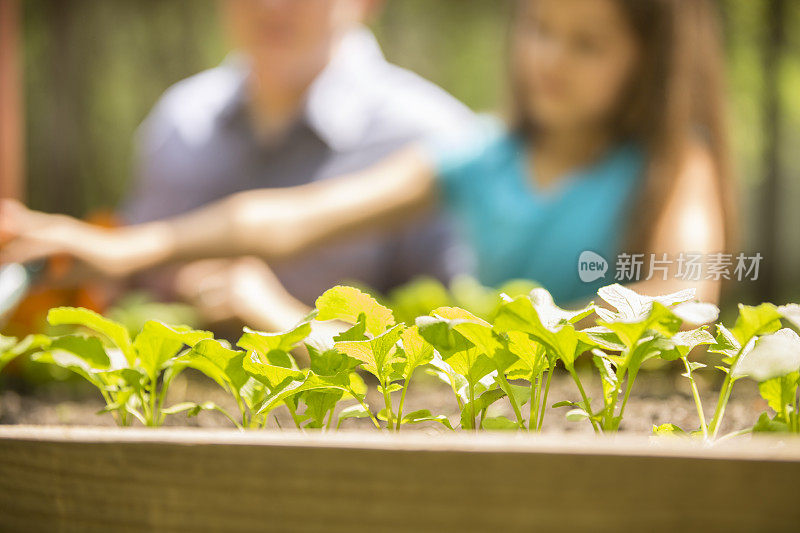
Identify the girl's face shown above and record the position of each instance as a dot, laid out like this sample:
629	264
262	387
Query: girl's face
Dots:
573	61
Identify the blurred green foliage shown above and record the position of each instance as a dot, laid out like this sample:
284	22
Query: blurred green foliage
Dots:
94	68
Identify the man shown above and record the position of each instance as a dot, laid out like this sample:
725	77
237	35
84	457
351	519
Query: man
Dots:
306	96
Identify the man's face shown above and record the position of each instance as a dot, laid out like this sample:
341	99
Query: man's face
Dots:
290	39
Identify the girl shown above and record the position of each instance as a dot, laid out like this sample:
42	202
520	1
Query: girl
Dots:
617	144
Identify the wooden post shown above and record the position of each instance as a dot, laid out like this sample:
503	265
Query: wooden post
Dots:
11	106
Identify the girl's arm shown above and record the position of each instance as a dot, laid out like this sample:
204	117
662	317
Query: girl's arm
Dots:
692	222
271	223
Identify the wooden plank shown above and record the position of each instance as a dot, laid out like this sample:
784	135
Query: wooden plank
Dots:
57	479
11	106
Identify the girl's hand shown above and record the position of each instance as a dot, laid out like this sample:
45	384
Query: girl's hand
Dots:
27	235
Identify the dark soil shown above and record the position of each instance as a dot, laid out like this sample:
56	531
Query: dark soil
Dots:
658	397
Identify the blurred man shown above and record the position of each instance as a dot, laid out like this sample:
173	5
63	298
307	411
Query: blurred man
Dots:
307	96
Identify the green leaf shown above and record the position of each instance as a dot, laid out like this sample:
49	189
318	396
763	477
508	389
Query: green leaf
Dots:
266	343
683	342
109	329
446	374
521	315
441	335
659	319
553	316
319	404
347	304
521	393
424	415
602	337
311	382
133	378
327	360
668	430
632	307
607	373
472	364
726	343
565	403
791	313
772	356
223	365
193	409
456	316
253	393
272	376
82	355
499	423
354	411
482	402
7	343
465	341
780	391
647	348
393	387
357	332
696	313
531	357
576	415
158	343
376	354
634	315
417	351
753	321
476	330
765	424
10	349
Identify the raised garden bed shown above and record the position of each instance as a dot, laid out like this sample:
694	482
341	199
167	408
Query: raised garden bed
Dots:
702	470
91	479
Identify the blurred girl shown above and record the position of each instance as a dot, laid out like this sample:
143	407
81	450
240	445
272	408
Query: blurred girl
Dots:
616	143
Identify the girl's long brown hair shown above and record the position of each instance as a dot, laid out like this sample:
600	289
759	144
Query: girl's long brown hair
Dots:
676	99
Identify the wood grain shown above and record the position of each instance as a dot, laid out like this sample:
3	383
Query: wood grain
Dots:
184	480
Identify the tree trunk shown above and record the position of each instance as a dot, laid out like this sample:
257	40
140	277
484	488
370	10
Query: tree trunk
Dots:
11	118
770	212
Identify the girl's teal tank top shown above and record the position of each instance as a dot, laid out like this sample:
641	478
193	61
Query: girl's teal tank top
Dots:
518	231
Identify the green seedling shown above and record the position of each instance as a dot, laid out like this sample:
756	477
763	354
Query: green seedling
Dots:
511	356
132	375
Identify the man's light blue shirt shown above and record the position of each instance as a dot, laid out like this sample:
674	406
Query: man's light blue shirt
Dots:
197	146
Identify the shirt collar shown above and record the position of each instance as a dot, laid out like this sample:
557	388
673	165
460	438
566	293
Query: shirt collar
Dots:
334	105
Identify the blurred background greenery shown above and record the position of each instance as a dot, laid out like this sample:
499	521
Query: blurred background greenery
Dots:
94	68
